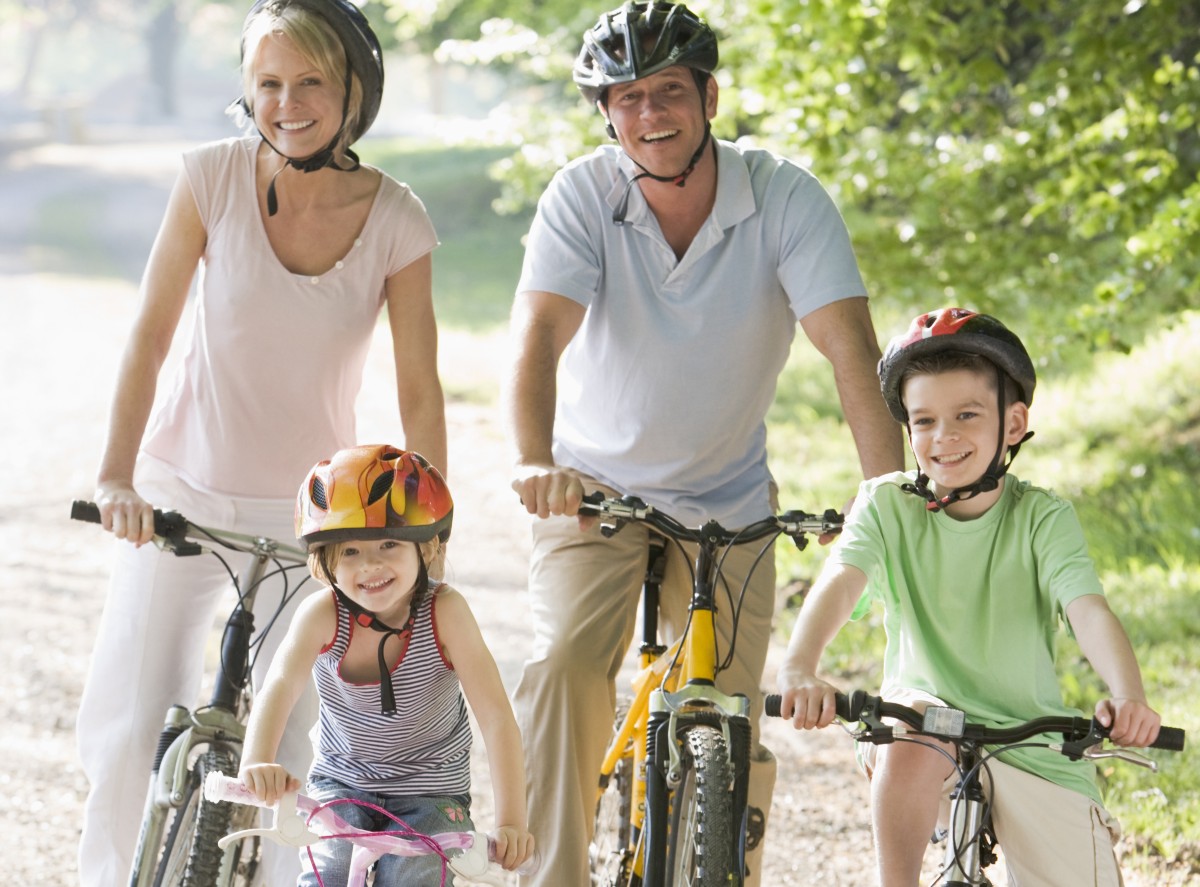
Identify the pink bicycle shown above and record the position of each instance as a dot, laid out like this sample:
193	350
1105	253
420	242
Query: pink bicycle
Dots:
300	821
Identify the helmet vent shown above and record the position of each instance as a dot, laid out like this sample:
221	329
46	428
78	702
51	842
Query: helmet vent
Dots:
381	487
318	494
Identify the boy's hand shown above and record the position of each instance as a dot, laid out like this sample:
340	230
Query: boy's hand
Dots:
268	781
806	700
513	846
1131	722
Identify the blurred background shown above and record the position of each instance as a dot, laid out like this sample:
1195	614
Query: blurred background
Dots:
1038	161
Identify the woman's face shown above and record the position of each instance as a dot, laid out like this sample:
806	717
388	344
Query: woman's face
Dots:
296	107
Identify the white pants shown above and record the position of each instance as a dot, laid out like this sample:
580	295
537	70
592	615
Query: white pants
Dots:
584	591
149	654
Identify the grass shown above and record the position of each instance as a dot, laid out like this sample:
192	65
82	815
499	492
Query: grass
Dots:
477	266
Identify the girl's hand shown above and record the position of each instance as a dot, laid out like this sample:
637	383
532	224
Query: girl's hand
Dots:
124	513
1131	722
513	846
268	781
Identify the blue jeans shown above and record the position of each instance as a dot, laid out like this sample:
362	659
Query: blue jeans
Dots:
426	815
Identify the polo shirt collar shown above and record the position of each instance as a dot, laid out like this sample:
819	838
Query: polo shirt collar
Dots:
735	196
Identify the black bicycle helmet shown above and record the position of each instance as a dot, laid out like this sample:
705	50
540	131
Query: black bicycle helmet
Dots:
364	61
958	329
641	38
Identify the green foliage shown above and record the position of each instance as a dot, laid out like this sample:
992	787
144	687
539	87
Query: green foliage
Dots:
475	269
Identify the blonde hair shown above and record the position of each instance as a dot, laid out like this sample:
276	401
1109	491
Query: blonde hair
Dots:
314	39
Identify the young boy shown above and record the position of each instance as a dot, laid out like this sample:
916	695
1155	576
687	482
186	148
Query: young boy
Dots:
975	570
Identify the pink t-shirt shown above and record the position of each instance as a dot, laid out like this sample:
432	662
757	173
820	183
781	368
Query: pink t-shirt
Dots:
268	384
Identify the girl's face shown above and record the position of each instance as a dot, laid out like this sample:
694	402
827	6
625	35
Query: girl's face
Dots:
296	107
953	424
379	575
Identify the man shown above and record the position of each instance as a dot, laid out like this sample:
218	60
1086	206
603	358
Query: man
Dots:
668	273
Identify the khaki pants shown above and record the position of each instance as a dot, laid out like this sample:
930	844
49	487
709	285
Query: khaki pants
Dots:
584	591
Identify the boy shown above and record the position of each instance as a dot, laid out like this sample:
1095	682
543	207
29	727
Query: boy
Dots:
975	569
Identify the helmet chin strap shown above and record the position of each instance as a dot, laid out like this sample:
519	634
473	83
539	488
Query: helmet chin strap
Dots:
367	619
678	180
991	477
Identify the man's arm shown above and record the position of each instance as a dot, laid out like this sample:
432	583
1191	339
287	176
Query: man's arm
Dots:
844	333
542	325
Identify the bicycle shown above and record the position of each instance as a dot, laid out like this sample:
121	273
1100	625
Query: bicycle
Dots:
671	806
300	821
970	839
178	840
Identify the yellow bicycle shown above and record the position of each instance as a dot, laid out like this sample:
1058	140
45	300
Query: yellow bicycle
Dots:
671	806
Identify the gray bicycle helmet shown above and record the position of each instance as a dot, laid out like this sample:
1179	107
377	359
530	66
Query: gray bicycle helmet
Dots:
638	39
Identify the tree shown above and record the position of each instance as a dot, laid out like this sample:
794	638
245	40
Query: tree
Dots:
1037	158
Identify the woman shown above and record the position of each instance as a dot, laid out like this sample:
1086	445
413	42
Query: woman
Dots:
300	247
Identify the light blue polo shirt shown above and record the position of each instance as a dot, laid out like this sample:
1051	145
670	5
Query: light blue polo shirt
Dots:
664	390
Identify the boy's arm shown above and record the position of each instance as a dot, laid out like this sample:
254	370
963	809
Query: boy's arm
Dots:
480	679
807	700
289	675
1106	646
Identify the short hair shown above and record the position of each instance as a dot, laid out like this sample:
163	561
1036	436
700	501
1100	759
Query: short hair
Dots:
316	40
935	363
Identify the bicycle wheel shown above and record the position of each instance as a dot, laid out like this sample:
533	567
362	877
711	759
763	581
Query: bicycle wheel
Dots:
190	855
702	833
610	854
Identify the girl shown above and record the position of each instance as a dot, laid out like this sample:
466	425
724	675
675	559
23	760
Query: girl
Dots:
388	648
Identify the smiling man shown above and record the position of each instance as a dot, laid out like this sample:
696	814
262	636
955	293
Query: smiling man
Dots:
667	274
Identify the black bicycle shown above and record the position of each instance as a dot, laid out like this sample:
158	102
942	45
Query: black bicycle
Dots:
970	839
177	843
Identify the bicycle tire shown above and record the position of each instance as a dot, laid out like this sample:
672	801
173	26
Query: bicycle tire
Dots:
190	855
610	854
702	837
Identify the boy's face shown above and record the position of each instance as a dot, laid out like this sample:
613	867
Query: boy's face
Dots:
953	422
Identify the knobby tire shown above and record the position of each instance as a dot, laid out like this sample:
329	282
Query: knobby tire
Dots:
702	832
190	856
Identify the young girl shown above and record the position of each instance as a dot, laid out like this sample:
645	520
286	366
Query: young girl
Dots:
388	648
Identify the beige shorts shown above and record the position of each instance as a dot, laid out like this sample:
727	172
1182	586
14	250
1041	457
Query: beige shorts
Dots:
1051	836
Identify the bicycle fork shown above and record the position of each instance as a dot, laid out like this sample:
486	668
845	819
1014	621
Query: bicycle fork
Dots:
968	841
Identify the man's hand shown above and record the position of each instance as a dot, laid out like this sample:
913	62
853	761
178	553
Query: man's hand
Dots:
548	489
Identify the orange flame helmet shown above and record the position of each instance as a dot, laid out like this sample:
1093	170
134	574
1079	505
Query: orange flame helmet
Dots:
373	492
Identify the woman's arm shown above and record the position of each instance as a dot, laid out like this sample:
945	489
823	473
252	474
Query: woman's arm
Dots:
168	278
409	294
480	678
290	673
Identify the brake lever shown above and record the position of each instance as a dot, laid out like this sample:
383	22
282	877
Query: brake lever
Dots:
288	827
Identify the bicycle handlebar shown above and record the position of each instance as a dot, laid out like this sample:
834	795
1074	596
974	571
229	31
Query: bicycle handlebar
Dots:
1079	734
177	534
616	511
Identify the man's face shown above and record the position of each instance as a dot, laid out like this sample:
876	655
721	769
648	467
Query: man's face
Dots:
660	119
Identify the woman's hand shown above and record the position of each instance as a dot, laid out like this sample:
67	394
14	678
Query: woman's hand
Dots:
124	513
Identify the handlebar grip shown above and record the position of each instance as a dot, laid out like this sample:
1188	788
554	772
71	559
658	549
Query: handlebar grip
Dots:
849	708
219	787
85	511
771	704
1169	738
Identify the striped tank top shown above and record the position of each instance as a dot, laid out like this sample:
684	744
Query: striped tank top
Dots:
424	747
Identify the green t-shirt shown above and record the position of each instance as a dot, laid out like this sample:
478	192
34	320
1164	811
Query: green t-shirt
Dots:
971	608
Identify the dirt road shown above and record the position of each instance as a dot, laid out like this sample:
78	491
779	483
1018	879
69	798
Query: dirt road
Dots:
87	215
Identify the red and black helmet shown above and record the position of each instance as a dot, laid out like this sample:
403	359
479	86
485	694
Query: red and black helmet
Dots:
954	329
642	38
373	492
